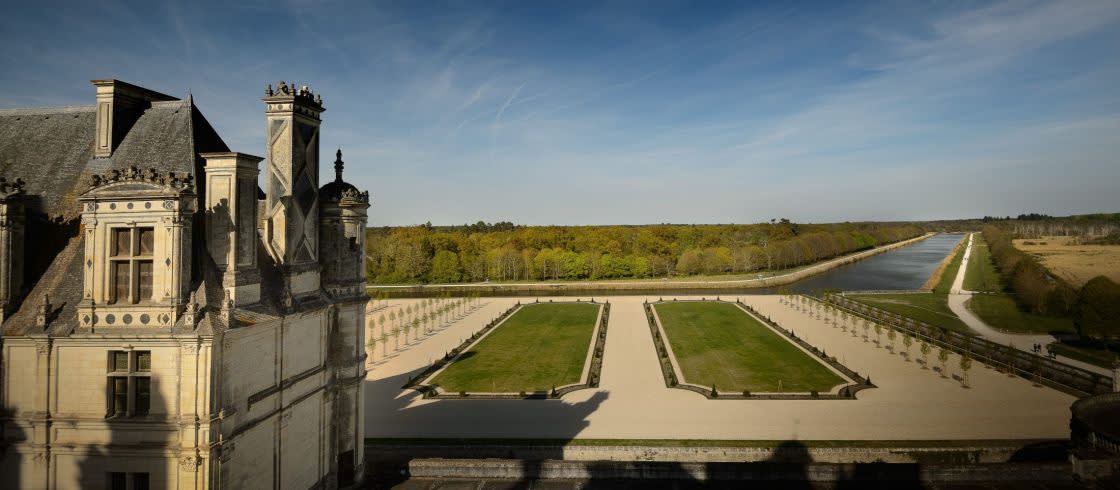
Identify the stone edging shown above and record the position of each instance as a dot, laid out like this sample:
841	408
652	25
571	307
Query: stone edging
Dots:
670	369
592	368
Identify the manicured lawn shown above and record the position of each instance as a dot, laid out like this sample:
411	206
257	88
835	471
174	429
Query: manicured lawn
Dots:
539	347
1093	355
719	344
1001	311
931	308
981	274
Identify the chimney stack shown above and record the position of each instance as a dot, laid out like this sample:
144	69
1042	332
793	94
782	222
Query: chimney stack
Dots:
292	202
119	105
231	222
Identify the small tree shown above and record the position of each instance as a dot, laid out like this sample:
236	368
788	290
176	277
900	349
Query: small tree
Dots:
866	329
891	336
878	334
966	364
924	349
943	358
907	341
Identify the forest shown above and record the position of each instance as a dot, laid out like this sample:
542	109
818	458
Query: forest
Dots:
506	252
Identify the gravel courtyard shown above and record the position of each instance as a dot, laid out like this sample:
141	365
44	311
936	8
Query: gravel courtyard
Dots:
632	401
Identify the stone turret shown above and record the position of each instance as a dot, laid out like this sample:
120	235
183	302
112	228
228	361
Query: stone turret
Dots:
342	231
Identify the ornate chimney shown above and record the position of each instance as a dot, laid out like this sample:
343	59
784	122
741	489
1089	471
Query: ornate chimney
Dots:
292	201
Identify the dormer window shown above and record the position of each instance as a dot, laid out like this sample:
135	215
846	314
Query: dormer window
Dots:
131	264
137	232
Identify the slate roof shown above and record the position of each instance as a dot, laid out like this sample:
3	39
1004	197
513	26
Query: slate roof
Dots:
51	149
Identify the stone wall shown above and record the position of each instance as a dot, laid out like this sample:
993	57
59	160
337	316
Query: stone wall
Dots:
814	472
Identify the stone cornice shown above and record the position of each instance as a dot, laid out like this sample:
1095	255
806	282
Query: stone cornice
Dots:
178	184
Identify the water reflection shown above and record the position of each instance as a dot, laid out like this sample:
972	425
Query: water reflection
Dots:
904	268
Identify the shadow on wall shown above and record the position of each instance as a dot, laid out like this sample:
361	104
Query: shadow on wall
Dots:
10	464
131	455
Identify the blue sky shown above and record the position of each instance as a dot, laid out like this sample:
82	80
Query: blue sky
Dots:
635	112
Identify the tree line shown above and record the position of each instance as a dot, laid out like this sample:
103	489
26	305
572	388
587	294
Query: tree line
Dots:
482	252
1095	308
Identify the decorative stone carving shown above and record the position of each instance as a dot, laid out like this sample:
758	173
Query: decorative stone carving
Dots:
354	195
151	175
190	314
189	462
44	312
227	311
10	188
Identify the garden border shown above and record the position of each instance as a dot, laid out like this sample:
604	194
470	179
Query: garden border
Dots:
590	377
669	367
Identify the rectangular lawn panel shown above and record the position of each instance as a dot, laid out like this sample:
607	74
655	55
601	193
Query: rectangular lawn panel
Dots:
719	344
540	346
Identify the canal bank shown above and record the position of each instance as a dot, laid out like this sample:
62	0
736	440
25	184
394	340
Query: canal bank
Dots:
759	285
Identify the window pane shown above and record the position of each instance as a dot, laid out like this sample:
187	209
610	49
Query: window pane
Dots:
144	361
117	481
143	395
147	241
120	395
119	361
120	281
122	242
139	481
144	271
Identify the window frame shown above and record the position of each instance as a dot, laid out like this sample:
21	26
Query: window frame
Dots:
133	258
133	374
131	480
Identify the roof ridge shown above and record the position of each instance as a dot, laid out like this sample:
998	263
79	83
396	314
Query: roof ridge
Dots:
32	111
169	103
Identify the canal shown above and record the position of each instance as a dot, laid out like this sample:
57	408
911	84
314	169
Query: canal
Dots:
903	268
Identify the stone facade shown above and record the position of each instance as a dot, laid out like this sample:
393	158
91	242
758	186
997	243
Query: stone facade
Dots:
156	332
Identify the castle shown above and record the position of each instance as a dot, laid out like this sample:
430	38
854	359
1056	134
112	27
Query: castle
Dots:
166	323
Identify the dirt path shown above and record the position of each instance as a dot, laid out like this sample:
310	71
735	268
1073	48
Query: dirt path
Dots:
958	303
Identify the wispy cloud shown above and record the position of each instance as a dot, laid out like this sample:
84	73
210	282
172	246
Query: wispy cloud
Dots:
610	113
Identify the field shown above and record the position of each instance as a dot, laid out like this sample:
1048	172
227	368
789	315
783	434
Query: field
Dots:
1000	311
1074	263
997	307
540	347
718	344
